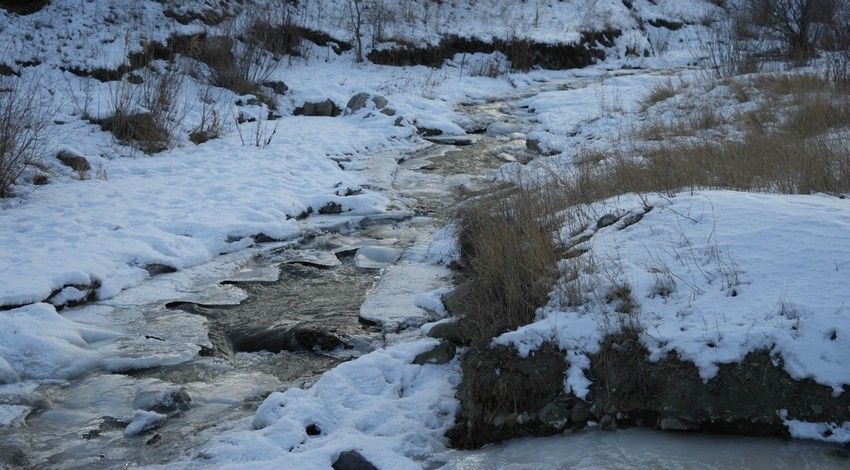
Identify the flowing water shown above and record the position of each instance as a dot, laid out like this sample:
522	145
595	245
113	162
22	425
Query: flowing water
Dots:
287	313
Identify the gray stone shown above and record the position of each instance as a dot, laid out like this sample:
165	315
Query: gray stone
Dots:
607	423
75	162
441	354
357	102
449	331
276	86
631	219
555	414
672	424
580	414
456	140
360	100
380	102
352	460
606	220
331	208
325	108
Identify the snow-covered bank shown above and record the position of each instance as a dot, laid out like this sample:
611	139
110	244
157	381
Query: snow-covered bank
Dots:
716	275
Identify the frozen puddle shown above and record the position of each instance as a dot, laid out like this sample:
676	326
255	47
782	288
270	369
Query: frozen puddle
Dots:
643	449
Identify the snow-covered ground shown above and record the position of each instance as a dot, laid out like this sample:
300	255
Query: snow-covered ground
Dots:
747	271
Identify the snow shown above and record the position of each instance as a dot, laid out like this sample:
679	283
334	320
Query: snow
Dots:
829	432
391	411
143	421
196	208
735	286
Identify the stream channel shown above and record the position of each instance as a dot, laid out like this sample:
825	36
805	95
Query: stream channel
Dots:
280	314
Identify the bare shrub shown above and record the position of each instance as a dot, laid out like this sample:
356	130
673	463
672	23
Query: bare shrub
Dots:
801	24
250	50
23	124
731	49
147	108
211	124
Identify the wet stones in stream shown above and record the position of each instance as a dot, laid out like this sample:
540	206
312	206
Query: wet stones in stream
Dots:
308	308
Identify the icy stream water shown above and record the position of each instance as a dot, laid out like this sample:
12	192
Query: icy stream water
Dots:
250	302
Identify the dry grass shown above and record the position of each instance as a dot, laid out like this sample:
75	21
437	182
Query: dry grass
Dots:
147	107
794	141
509	258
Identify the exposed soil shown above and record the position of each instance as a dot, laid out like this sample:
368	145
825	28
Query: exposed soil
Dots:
523	53
506	396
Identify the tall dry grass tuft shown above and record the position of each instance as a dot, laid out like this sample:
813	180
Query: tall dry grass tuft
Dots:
509	260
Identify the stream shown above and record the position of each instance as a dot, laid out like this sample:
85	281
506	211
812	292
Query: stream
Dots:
280	315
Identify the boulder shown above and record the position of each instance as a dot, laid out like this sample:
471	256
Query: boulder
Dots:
360	100
606	220
75	162
325	108
441	354
449	331
352	460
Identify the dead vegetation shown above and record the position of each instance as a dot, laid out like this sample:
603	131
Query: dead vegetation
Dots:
23	124
508	257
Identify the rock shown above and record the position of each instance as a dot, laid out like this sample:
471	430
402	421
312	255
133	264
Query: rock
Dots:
325	108
299	337
555	414
441	354
607	423
163	402
427	131
313	430
631	219
154	439
671	424
456	140
331	208
580	414
388	112
533	145
606	220
449	331
357	102
276	86
360	100
144	421
75	162
8	375
155	269
352	460
380	102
